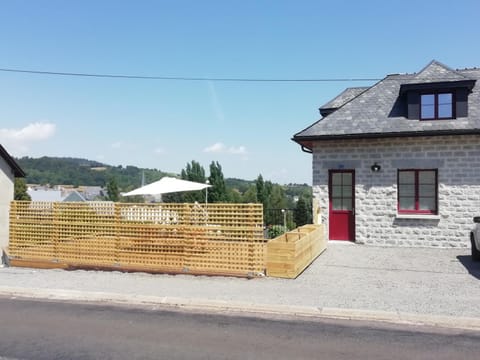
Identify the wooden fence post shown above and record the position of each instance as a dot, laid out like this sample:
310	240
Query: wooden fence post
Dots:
55	231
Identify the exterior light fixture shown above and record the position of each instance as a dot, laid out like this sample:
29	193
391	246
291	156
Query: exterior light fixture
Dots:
375	167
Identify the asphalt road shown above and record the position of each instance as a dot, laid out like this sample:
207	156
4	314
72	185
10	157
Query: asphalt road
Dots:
54	330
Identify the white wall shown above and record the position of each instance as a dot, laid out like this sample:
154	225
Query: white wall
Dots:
457	159
7	181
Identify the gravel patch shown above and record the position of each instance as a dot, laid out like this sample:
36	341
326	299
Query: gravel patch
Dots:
414	280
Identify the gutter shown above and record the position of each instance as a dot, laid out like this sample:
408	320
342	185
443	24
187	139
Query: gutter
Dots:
302	139
306	150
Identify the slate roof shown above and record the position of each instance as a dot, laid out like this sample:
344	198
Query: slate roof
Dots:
17	170
436	71
74	196
344	97
380	112
45	195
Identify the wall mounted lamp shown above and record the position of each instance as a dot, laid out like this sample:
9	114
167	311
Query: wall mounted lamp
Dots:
375	167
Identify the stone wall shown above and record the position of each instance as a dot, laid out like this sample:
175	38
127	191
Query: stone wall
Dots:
457	159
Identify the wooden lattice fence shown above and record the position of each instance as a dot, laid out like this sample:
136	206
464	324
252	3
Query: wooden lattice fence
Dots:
225	239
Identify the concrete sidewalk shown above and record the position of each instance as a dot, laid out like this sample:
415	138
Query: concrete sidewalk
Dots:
405	285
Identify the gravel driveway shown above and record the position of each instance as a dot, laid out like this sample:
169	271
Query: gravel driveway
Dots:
413	280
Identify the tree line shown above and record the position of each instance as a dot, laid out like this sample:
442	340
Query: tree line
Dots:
294	199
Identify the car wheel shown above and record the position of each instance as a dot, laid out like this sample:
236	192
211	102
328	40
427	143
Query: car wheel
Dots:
475	251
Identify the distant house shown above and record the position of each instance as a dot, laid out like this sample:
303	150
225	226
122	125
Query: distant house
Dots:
44	194
398	163
9	170
39	193
74	196
92	192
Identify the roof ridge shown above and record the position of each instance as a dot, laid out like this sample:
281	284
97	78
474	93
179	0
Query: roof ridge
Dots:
438	63
468	69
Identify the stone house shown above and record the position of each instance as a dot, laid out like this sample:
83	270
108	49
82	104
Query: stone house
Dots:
398	163
9	170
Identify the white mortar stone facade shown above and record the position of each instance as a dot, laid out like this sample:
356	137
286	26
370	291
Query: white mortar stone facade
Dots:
457	159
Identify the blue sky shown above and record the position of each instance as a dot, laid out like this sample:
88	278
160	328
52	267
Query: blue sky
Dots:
246	127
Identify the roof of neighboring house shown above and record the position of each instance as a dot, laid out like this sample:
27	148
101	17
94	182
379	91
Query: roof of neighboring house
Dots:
379	111
17	170
74	196
45	195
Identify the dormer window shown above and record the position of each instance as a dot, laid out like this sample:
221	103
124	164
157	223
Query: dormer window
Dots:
436	106
437	100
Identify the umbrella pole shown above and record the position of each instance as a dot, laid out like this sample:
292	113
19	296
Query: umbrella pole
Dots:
206	202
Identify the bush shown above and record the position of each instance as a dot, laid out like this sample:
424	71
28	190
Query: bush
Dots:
275	230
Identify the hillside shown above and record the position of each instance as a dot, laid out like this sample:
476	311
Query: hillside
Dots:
75	171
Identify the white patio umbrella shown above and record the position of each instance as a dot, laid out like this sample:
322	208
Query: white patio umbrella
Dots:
167	185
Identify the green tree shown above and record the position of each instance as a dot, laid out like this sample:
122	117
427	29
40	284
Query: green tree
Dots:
261	194
194	172
20	190
133	199
218	191
276	198
113	193
176	197
274	203
250	196
234	196
300	213
260	186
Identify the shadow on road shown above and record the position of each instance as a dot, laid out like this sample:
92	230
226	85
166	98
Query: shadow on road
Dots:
472	266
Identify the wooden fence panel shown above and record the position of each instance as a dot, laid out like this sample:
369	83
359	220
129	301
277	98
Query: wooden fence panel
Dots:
289	254
176	238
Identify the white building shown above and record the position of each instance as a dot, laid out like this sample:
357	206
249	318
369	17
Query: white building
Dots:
9	170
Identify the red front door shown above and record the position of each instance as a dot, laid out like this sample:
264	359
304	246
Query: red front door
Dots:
341	194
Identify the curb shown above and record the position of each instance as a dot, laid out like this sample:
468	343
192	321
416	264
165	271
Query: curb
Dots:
311	312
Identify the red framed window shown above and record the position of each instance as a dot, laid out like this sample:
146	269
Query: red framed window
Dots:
435	106
417	191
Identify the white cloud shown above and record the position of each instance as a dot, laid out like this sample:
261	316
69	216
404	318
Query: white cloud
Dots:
221	148
31	132
215	148
240	150
159	151
116	145
18	141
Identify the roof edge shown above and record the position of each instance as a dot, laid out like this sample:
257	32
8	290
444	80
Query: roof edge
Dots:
301	140
17	170
362	88
436	62
467	83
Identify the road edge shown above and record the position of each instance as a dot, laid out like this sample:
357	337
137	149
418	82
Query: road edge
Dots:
220	306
